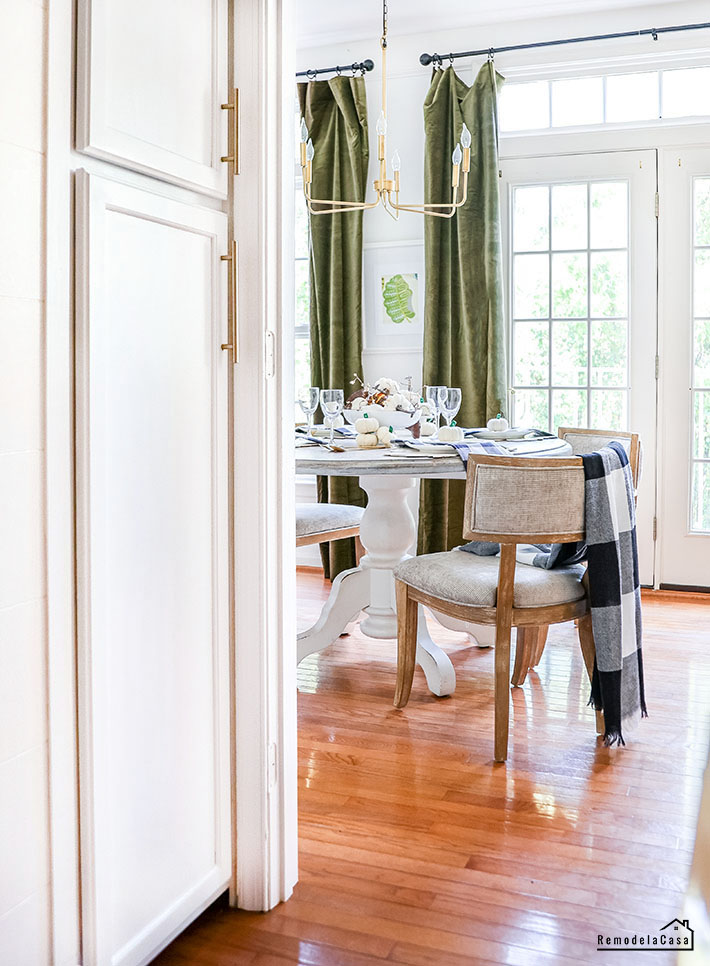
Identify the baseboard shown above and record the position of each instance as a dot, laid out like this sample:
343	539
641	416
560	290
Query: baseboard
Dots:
679	592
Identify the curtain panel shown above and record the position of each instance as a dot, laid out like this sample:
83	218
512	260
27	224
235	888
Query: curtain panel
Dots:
464	320
336	115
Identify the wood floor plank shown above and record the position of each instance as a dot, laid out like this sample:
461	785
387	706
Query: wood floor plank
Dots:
416	850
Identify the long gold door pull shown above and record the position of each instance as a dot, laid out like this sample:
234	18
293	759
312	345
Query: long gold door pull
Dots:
233	307
233	136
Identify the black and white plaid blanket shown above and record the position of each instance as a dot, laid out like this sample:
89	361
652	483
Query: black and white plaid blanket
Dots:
615	597
614	590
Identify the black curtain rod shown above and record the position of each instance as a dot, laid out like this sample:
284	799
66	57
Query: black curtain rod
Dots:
427	59
363	66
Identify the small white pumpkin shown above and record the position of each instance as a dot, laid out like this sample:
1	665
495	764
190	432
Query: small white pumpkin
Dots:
358	404
385	435
451	434
338	422
499	424
392	402
428	410
366	424
366	440
427	429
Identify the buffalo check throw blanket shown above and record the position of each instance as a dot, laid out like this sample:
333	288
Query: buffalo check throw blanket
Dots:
614	593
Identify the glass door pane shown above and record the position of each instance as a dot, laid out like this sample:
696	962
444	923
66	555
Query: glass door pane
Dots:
570	255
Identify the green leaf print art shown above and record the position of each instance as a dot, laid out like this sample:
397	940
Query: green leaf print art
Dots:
397	297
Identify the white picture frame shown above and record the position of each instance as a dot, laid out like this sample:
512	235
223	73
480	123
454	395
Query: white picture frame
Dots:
393	278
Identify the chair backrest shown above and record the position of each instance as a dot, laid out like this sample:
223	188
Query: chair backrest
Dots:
590	440
513	499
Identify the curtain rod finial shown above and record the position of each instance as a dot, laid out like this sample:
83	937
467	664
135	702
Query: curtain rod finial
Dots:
368	64
425	60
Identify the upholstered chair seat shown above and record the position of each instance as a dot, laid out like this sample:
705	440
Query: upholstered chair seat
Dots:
464	578
313	519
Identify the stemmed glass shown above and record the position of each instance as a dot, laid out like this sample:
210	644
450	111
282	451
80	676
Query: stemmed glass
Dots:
308	401
332	402
432	397
449	402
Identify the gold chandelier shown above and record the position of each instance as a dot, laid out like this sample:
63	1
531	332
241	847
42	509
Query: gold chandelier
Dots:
386	189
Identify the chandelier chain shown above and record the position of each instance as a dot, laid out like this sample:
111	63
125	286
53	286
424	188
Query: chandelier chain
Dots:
385	12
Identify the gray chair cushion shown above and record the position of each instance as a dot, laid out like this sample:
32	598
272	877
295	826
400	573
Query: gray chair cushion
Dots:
322	517
463	578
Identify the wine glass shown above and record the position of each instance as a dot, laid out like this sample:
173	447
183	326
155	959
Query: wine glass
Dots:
308	401
449	402
332	402
432	397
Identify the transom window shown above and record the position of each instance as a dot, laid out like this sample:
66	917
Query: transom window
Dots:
700	449
605	99
570	304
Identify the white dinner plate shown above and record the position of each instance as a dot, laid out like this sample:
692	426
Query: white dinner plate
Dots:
503	434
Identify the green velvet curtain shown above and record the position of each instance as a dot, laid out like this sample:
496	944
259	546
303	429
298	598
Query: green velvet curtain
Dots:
464	321
336	115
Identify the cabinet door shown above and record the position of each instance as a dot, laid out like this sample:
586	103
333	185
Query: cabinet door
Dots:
152	567
151	77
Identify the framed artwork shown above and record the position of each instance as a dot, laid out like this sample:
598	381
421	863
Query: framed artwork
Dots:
393	278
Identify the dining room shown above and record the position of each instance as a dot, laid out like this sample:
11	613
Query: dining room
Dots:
501	429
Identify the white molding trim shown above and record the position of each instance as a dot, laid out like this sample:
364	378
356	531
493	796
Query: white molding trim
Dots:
65	940
264	562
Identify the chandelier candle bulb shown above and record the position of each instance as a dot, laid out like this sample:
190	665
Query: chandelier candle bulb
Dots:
466	145
456	160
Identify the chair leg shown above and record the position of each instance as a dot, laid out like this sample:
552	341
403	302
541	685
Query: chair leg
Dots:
504	614
586	642
359	550
524	652
540	644
407	625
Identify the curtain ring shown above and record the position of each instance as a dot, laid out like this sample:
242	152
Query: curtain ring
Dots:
354	68
451	60
654	33
311	74
491	55
338	71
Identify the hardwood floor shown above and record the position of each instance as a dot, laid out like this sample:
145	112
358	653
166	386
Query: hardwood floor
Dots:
417	849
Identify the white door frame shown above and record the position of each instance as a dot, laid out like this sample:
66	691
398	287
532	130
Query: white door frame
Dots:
264	563
265	634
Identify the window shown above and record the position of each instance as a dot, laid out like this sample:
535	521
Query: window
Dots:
700	448
605	99
303	296
569	298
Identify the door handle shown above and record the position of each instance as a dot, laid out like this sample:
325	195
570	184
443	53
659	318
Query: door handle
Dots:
233	302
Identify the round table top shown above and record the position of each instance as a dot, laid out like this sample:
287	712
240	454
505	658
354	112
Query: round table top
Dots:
319	461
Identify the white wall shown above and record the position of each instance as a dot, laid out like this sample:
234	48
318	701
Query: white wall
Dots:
24	863
409	81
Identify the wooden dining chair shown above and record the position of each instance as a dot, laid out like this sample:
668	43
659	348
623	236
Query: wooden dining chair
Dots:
508	501
585	441
323	522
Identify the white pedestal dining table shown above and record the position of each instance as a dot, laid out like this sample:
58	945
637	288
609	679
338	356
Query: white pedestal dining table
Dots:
387	531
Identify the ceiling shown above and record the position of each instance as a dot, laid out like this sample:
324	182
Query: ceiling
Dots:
328	21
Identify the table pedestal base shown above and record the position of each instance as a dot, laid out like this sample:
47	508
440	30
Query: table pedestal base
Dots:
386	532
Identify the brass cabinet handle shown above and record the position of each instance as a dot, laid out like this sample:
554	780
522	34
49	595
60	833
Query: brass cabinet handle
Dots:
233	157
233	305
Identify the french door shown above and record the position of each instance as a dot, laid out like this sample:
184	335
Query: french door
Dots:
684	519
580	237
